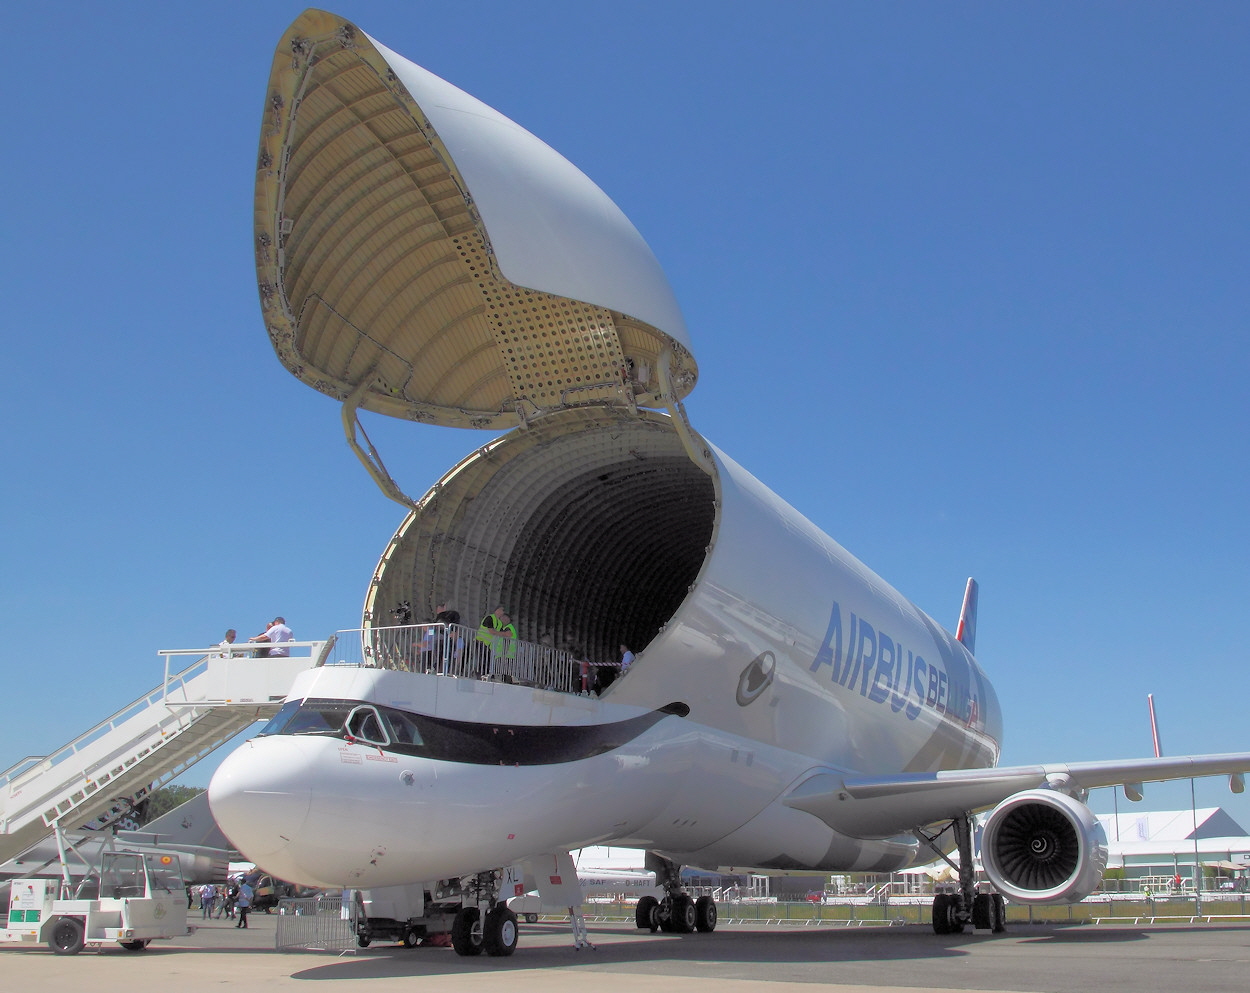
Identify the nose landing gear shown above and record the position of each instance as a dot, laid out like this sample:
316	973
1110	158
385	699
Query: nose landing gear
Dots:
486	925
499	931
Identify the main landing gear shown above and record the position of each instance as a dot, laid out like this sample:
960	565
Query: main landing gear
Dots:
952	912
677	912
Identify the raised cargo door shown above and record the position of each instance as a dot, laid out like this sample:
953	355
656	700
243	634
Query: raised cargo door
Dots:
421	255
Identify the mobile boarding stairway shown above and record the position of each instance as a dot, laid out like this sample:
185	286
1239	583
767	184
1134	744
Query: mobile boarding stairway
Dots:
95	778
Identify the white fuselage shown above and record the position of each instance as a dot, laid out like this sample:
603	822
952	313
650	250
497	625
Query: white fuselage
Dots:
791	657
326	811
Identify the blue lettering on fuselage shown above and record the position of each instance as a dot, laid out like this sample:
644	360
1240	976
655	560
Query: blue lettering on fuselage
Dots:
874	665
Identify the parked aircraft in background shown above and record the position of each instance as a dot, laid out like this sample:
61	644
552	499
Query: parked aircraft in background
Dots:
606	872
601	878
422	256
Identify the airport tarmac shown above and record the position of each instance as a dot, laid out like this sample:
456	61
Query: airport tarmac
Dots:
734	959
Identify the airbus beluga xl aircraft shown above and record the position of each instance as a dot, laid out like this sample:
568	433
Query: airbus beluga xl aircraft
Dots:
422	256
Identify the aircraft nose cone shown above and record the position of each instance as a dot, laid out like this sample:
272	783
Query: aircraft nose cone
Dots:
260	797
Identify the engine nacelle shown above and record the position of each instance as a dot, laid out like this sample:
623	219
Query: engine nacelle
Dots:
1042	846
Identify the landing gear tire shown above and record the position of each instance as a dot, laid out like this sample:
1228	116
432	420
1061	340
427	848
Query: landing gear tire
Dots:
999	918
684	917
67	936
138	945
500	933
982	911
946	914
531	918
466	932
411	939
989	912
664	915
363	939
705	914
647	914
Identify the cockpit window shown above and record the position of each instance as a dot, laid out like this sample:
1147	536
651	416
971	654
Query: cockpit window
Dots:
345	718
365	725
279	720
403	728
325	718
310	717
448	740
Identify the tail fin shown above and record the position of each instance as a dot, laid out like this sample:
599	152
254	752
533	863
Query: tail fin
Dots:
967	630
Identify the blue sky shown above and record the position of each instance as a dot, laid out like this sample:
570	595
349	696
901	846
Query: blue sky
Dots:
967	284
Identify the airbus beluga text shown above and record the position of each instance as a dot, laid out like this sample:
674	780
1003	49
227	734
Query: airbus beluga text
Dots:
422	256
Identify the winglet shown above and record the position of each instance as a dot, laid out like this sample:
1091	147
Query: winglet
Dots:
967	630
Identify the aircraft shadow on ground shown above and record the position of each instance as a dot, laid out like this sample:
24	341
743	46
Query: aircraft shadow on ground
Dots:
1111	934
630	950
626	947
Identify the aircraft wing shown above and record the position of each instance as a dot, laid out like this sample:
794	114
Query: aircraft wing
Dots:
882	806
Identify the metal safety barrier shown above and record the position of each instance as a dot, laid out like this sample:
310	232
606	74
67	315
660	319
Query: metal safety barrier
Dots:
313	924
454	650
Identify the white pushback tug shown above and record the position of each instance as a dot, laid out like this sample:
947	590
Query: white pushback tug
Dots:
133	899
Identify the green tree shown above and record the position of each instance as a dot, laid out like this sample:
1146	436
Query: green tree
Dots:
166	798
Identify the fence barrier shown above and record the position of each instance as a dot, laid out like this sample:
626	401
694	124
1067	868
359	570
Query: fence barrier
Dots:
454	650
313	924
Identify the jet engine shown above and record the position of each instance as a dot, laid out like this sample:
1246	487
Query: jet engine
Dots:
1043	846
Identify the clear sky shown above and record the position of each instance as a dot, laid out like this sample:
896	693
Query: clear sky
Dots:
967	284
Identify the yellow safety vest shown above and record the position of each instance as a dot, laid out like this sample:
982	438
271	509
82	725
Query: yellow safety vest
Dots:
488	634
509	643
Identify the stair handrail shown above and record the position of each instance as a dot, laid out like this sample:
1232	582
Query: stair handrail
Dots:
240	651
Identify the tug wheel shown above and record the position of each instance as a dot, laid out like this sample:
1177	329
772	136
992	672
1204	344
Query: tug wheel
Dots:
67	936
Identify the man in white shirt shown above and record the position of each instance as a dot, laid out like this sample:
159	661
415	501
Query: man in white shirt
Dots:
276	634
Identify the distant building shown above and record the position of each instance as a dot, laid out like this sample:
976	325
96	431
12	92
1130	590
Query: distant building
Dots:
1151	846
1162	843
